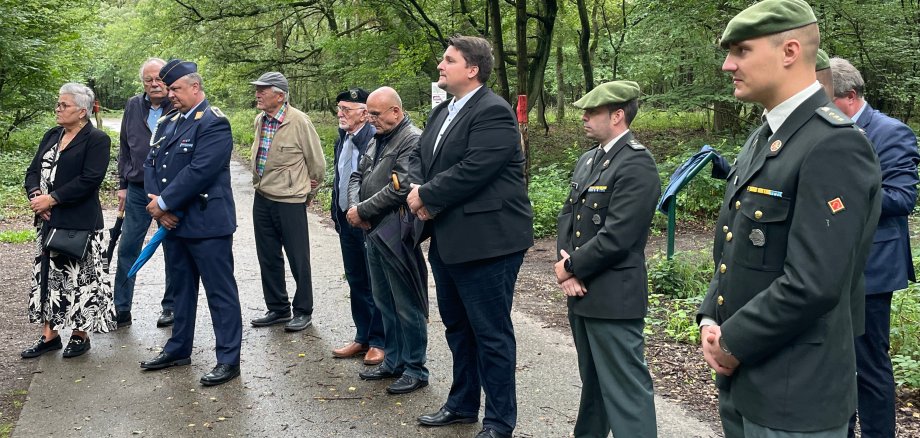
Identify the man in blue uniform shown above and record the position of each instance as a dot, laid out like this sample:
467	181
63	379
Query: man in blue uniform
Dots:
187	177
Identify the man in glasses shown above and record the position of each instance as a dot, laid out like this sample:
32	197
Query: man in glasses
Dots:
137	125
355	136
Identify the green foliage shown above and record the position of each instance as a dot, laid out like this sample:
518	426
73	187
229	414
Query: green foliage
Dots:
905	336
21	236
687	275
701	199
548	188
675	318
13	165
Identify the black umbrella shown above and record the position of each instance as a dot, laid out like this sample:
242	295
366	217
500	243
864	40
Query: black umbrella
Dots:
114	234
395	239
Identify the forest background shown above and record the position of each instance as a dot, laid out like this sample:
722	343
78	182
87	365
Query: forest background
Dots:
550	50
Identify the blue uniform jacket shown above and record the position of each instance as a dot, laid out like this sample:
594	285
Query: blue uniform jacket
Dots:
889	265
189	167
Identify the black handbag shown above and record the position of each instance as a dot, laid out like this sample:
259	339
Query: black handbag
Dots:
72	243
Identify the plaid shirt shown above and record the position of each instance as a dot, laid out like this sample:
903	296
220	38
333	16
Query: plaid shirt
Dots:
269	127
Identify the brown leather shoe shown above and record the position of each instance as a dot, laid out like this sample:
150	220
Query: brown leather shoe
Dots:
350	350
374	356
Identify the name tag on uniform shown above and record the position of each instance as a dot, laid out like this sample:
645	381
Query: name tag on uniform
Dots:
597	189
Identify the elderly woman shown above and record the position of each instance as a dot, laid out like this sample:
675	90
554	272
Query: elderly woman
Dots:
63	188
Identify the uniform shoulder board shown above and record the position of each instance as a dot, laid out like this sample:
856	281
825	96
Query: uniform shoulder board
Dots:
167	115
217	112
834	116
635	145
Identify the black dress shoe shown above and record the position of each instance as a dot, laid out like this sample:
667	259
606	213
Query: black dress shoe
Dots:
271	317
166	319
406	384
41	347
165	360
378	372
299	323
124	318
77	346
488	432
222	373
444	417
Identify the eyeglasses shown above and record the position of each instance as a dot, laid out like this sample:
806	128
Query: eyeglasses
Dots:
149	81
373	115
345	109
62	106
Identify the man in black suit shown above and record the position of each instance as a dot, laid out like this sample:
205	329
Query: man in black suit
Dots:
470	194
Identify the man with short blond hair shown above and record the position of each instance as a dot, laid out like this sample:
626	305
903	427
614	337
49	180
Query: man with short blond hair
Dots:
286	156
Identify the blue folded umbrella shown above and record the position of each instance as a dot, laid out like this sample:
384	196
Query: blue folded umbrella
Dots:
148	251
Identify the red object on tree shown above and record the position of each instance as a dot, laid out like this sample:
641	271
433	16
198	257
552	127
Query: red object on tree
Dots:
96	106
522	108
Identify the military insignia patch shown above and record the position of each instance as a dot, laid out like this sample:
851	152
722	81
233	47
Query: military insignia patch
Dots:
836	205
606	163
596	219
635	145
590	160
198	115
768	192
775	146
217	112
597	189
757	237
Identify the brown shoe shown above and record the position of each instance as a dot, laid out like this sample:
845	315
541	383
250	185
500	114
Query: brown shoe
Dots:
350	350
374	356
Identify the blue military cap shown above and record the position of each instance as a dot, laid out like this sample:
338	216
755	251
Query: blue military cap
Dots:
357	95
175	69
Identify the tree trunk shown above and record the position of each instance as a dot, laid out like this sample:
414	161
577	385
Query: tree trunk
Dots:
500	69
584	40
560	96
537	70
521	36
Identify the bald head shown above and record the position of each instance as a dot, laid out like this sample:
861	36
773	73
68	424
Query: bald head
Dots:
384	108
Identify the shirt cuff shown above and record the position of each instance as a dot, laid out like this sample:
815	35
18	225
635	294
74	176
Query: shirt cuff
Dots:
707	321
162	204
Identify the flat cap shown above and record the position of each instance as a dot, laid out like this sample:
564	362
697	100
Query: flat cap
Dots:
272	79
609	92
824	61
357	95
766	18
175	69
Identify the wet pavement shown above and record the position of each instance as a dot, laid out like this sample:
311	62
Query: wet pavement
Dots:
290	384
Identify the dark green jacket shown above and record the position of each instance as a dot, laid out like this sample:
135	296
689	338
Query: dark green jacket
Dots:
604	227
791	242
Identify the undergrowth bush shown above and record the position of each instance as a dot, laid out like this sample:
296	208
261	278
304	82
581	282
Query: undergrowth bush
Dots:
674	318
905	336
686	275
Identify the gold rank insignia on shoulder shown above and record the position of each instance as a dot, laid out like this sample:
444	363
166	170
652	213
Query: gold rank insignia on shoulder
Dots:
198	115
768	192
597	189
217	112
836	205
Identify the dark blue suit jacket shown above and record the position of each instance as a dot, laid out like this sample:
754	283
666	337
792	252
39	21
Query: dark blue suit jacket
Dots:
189	167
889	265
362	138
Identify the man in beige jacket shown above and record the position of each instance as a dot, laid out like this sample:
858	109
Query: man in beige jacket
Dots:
286	157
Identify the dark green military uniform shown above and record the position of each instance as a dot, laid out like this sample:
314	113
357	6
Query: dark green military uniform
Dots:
792	237
604	226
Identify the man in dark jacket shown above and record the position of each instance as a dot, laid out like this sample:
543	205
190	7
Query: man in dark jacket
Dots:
603	229
137	125
377	191
355	136
889	265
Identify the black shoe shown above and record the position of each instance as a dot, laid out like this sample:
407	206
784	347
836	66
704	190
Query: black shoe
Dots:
406	384
271	317
378	373
488	432
299	323
444	417
41	347
77	346
124	318
222	373
165	360
166	319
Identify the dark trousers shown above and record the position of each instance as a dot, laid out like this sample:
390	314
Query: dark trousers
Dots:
283	225
616	387
403	314
368	322
874	376
211	262
133	230
474	300
736	426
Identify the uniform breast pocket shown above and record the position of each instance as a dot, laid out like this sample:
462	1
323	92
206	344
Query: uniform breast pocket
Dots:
596	206
185	148
763	231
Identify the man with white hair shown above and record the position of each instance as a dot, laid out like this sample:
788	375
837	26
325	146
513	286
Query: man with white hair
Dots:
137	125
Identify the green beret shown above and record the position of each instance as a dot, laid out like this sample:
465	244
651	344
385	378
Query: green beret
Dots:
766	18
609	92
824	61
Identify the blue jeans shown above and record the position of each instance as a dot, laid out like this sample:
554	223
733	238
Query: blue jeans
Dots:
404	325
133	231
368	324
474	300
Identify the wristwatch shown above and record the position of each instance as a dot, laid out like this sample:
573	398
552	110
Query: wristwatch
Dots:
568	266
723	347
